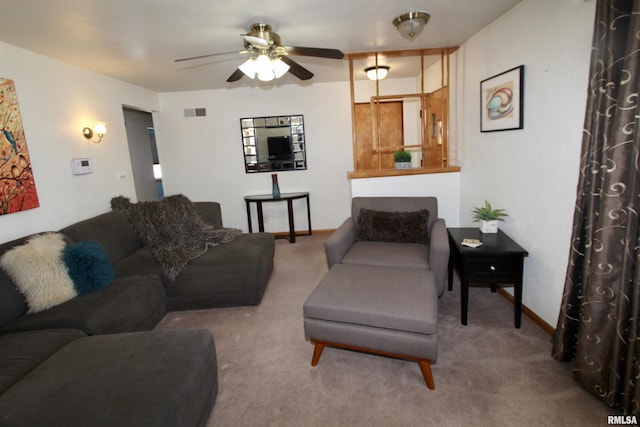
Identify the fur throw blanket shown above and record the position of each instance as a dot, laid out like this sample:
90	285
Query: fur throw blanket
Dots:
173	230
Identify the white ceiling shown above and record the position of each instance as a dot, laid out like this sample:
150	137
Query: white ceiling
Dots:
137	40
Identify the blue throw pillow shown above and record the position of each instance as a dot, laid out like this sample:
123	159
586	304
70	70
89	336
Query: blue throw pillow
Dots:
89	266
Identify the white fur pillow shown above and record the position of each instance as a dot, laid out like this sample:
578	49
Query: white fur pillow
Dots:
38	271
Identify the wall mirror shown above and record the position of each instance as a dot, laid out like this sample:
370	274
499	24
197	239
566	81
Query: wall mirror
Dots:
274	143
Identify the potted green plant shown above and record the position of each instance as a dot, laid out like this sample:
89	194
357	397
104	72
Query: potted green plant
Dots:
488	217
402	159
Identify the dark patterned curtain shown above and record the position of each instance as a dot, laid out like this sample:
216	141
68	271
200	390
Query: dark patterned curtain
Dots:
598	322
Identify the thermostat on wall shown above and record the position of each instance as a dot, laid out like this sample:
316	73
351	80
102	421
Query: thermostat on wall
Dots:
81	166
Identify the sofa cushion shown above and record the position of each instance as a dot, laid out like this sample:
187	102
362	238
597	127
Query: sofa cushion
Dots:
21	352
88	266
163	378
111	229
131	303
385	254
399	227
173	230
232	274
39	272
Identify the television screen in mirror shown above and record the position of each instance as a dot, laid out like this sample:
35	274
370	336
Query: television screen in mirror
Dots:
273	143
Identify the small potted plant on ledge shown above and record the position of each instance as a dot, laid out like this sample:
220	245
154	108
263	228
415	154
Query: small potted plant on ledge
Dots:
402	159
488	217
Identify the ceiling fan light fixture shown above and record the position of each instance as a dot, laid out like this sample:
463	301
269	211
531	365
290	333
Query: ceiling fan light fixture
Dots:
264	69
377	73
279	67
411	24
249	68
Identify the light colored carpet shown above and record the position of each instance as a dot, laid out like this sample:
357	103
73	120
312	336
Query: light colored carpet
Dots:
487	373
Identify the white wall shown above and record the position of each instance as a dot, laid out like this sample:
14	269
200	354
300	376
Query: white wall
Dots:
532	172
202	157
444	186
56	101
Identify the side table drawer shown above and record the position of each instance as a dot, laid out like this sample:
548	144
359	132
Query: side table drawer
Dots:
493	268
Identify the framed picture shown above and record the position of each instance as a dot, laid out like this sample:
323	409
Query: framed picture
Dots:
501	101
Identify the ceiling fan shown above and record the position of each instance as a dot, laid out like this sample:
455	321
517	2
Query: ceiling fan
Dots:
268	59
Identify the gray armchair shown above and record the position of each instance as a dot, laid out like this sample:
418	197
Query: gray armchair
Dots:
344	247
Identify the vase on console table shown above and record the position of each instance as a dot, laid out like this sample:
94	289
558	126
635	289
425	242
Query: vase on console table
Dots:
275	188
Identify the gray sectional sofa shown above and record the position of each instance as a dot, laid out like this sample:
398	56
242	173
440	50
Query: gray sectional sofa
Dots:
94	359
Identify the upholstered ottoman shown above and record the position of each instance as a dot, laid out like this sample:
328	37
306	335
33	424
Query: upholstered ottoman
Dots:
381	310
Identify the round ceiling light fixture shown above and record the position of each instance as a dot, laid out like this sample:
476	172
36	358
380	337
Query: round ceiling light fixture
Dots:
410	24
377	73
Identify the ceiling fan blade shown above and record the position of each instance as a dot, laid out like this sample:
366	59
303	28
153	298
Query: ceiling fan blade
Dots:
237	75
296	69
204	56
314	51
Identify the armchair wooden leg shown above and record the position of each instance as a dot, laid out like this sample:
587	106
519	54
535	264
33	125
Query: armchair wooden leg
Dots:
425	367
317	352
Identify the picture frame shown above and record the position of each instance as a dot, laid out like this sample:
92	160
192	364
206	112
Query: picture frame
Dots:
502	101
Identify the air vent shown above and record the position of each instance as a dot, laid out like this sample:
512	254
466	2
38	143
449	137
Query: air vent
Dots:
195	112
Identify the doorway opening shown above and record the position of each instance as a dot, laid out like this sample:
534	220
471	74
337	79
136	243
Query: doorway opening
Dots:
143	152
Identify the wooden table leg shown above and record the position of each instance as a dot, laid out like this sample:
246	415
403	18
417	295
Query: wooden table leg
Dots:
249	215
292	227
309	214
464	299
260	217
517	304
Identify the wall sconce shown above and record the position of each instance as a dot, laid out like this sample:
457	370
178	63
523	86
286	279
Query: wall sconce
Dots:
410	24
377	73
99	129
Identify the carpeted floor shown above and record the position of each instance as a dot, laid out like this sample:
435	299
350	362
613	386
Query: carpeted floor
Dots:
487	373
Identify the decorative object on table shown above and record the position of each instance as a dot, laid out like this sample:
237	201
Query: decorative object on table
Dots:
471	243
19	192
402	159
488	217
275	187
502	101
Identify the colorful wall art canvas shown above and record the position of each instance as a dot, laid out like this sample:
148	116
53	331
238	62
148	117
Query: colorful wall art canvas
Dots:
17	186
502	101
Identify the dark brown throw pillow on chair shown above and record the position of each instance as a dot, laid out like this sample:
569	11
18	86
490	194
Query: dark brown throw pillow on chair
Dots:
398	227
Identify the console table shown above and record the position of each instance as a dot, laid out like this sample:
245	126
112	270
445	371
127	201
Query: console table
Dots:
498	261
259	199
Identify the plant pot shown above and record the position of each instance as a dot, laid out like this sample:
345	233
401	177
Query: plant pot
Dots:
403	165
489	226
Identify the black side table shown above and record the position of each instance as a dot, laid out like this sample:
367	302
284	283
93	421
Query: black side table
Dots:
498	261
284	197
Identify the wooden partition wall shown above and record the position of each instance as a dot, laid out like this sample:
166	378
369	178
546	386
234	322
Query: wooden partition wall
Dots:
386	118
